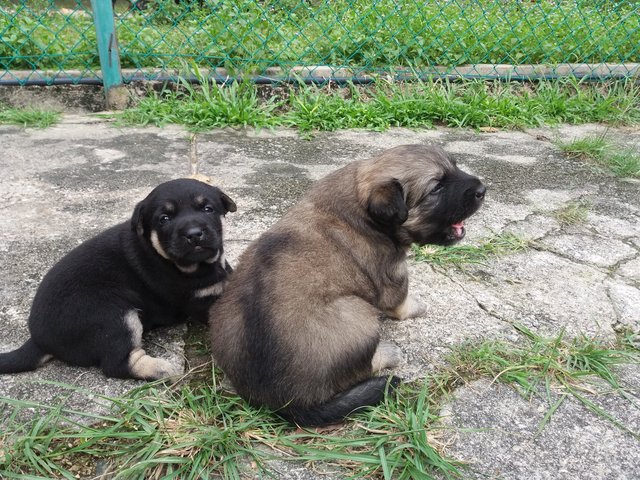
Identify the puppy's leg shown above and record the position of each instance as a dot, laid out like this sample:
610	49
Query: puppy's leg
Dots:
410	308
145	367
387	355
129	360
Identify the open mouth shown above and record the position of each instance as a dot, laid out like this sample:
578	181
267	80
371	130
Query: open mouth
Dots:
457	231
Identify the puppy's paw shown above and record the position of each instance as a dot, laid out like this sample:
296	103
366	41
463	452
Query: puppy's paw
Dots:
145	367
227	386
387	355
410	308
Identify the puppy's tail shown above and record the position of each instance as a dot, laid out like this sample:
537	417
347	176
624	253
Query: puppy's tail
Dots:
365	394
27	357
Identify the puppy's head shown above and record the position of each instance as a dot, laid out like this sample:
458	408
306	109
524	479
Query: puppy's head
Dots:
183	221
419	195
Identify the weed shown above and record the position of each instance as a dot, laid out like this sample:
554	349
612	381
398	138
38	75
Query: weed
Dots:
28	117
620	162
573	213
185	431
624	163
588	147
464	254
397	439
419	104
209	106
194	432
534	366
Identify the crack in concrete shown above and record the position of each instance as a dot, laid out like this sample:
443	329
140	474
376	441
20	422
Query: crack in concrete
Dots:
480	305
616	323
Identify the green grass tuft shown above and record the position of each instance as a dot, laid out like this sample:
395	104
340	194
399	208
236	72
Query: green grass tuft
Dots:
419	104
155	431
498	245
590	147
540	362
625	163
620	162
573	213
28	117
527	365
205	106
398	439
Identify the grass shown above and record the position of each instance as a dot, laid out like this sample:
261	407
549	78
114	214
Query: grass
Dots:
601	152
421	104
192	430
574	213
28	117
473	104
244	35
594	146
206	107
542	366
497	245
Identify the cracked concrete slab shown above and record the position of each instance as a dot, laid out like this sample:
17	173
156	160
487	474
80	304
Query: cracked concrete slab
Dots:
501	434
64	184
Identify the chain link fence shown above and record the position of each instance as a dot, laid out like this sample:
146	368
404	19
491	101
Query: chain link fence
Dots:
50	42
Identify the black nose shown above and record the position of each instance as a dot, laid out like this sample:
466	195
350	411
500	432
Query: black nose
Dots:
194	234
480	191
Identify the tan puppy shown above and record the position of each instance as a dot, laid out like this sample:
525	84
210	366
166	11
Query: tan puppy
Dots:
298	326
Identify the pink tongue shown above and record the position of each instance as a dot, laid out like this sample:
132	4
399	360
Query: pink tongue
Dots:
458	228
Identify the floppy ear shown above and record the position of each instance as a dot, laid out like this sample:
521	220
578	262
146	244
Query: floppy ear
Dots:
136	219
229	205
386	203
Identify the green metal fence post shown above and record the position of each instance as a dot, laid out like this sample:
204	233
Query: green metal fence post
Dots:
103	19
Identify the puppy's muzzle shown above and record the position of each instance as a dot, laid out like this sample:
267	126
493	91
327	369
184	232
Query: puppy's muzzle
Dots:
474	197
194	235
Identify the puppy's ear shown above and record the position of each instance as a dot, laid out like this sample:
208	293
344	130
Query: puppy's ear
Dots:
229	205
386	203
137	219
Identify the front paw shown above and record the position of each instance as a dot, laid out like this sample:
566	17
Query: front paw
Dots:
387	355
410	308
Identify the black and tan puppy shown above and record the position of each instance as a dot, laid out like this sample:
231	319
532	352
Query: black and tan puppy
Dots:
163	266
298	326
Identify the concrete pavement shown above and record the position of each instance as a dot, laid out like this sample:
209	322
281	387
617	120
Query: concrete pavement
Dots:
63	184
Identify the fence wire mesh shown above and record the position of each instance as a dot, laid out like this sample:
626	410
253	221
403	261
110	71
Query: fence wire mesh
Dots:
55	41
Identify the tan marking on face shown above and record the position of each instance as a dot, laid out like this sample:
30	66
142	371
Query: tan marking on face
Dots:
187	268
199	200
215	289
223	232
214	258
169	207
155	242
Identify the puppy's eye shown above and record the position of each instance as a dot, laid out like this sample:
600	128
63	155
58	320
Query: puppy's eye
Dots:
437	188
164	218
207	208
